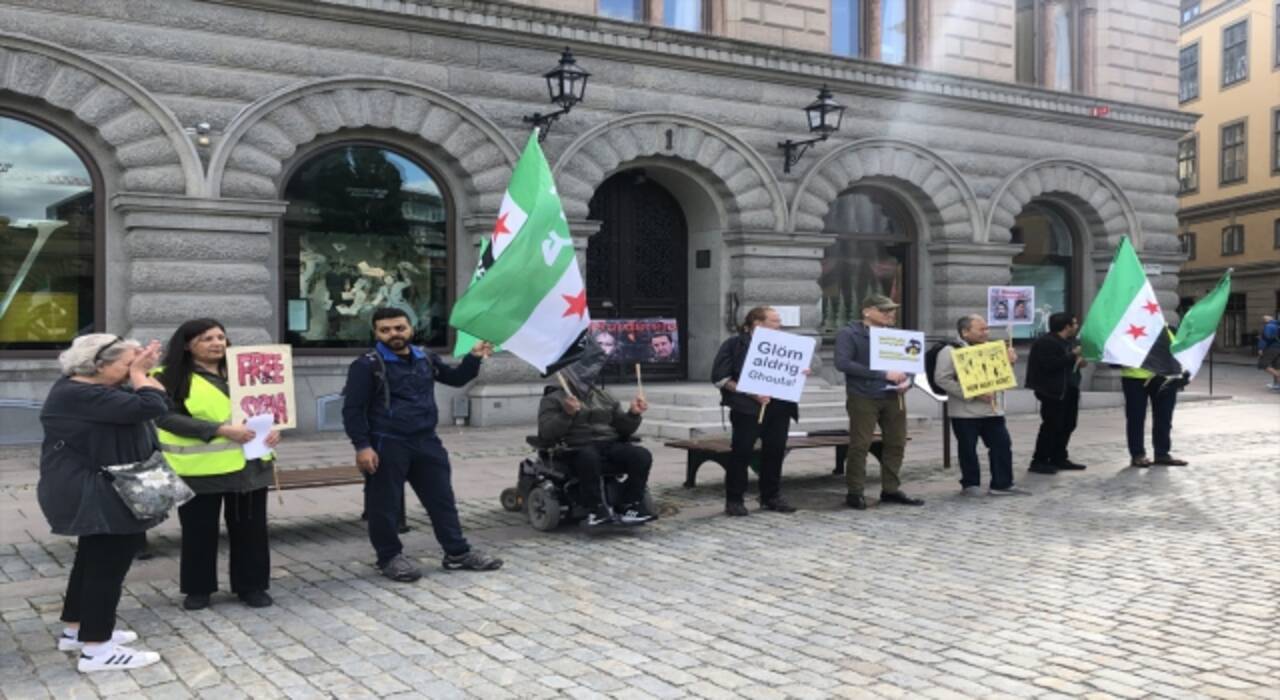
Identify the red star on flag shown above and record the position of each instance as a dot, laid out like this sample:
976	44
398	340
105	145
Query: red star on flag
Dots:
577	304
1151	307
500	227
1135	331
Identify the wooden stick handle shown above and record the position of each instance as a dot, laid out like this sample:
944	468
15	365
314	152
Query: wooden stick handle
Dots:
565	385
275	473
639	382
760	419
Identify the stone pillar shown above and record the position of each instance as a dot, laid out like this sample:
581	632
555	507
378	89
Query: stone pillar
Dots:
961	272
191	258
1088	47
873	31
920	37
1048	45
776	269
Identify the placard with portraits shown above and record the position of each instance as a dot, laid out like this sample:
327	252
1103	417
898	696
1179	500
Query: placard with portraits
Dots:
631	340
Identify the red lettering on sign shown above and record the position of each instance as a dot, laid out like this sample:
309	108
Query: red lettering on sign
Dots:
275	404
254	368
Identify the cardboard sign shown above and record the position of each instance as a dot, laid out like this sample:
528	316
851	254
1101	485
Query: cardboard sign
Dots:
983	368
631	340
261	382
1011	306
893	350
775	364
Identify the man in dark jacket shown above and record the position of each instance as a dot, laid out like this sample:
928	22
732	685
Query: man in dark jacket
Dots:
596	427
1053	373
873	397
390	415
753	417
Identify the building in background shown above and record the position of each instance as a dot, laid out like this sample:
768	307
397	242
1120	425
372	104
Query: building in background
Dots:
288	165
1229	166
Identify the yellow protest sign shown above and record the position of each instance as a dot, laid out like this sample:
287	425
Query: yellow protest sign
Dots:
983	369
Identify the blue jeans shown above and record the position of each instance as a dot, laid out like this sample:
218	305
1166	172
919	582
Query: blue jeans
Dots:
995	435
424	463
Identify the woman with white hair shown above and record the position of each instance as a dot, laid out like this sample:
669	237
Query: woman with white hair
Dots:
92	419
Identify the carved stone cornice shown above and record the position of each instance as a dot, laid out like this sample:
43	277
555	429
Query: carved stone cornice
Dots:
503	23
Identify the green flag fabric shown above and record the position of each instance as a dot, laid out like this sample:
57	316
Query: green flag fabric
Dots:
1195	336
527	294
1125	320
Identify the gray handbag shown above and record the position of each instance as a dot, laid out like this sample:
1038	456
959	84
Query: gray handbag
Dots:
149	488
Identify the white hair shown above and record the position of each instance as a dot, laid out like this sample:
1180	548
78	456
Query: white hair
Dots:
82	360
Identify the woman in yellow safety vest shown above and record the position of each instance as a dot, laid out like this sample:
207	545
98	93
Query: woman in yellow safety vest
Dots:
204	448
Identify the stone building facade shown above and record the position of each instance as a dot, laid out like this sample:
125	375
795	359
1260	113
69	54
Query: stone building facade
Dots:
944	176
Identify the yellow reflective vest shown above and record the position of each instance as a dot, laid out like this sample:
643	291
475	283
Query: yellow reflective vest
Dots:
191	456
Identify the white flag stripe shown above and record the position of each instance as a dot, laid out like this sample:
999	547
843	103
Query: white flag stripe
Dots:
514	221
548	332
1192	357
1122	347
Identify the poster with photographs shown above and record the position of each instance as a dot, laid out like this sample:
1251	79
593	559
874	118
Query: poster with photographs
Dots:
631	340
1011	306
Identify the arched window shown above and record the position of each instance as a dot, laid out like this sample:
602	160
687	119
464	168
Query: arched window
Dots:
48	237
366	227
870	256
1046	263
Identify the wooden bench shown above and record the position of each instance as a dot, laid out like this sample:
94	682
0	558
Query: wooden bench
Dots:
317	477
717	449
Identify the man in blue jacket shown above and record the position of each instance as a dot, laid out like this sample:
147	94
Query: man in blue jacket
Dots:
390	415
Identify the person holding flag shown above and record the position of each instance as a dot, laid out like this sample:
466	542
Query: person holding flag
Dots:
1126	327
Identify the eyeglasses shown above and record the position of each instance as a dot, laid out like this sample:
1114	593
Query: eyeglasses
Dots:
97	357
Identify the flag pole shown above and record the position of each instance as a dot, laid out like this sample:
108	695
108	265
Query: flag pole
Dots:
565	385
760	419
639	383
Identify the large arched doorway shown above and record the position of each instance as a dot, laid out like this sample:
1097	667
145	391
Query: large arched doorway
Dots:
366	227
50	289
1047	262
872	254
637	269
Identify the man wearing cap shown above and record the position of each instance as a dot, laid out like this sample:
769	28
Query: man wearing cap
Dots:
873	397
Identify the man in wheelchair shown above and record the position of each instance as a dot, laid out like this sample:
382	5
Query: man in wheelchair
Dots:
596	429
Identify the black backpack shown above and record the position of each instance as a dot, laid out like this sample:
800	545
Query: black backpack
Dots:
931	362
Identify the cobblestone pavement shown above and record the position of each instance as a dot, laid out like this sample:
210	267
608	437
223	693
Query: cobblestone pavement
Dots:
1112	582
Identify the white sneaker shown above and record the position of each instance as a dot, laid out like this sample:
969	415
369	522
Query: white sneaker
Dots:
1011	491
116	658
66	643
971	491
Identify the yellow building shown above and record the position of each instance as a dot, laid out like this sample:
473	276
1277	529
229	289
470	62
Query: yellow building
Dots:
1229	167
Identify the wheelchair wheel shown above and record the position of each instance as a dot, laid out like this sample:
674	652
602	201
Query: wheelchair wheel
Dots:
543	508
511	500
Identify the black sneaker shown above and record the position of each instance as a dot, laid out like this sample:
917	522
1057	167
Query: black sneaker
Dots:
600	516
633	516
257	599
1069	466
471	561
1042	468
736	509
778	504
856	501
900	498
196	601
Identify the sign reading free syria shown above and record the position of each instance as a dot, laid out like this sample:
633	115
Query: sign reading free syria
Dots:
775	364
261	382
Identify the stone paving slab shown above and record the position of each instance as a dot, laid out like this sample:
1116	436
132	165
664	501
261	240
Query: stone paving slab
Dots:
1112	582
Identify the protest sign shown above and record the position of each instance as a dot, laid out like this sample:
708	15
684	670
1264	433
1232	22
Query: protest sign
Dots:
893	350
631	340
261	382
775	364
1011	306
983	368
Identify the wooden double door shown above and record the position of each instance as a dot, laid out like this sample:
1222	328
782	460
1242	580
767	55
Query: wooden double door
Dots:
637	266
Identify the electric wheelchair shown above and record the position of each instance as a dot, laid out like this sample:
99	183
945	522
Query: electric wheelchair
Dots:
547	490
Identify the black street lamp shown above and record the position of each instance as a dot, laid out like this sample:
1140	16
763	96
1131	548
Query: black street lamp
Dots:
566	86
824	116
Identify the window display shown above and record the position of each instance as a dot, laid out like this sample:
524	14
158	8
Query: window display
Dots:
365	228
869	256
47	227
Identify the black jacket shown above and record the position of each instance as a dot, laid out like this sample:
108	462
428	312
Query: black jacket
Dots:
728	365
87	427
368	415
601	419
1051	367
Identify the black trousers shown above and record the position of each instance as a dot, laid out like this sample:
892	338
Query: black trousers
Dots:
592	462
246	517
772	433
424	464
97	576
1057	422
1137	394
